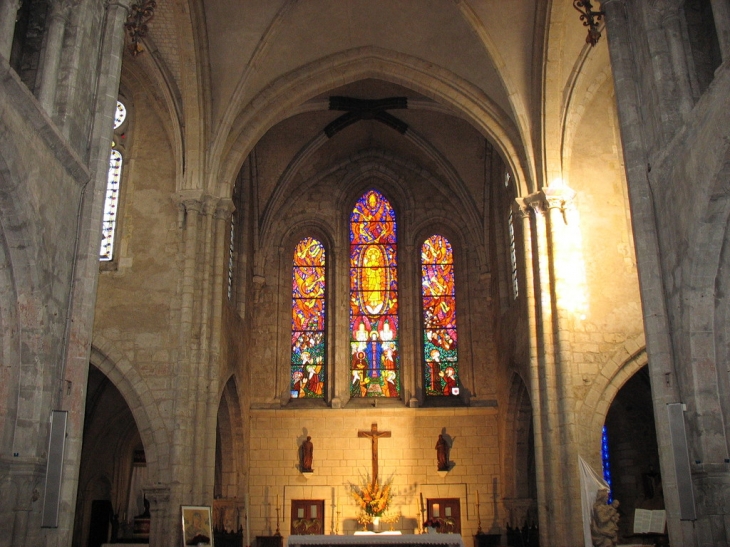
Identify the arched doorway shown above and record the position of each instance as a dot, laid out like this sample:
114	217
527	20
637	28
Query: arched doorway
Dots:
113	466
633	451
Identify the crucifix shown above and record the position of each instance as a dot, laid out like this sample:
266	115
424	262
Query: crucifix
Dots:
374	435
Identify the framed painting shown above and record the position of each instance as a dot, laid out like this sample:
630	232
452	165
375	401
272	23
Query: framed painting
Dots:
197	525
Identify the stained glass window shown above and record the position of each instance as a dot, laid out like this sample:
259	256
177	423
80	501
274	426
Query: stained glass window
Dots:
308	320
438	299
231	254
111	203
513	255
120	115
375	370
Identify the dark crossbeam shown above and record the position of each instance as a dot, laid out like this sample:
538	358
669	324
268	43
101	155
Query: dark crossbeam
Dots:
366	109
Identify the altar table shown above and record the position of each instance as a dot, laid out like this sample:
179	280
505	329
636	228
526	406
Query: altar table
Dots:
377	540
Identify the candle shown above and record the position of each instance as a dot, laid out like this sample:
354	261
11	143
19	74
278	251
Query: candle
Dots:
477	497
277	502
248	530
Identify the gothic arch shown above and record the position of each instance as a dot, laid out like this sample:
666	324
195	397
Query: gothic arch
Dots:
707	307
230	443
614	374
135	391
519	454
237	137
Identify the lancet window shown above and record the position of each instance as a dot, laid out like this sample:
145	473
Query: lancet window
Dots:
375	369
438	303
114	178
308	320
513	255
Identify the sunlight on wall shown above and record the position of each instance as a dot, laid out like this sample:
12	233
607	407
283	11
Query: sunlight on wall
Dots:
570	269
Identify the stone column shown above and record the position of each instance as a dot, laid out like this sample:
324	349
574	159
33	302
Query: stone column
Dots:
536	396
673	30
182	454
56	28
721	15
161	516
8	15
74	372
656	320
569	307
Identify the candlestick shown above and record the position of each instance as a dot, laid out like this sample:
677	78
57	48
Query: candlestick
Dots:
248	528
479	517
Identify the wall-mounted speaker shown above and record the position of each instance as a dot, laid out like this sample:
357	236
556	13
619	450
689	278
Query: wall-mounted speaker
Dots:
54	469
682	469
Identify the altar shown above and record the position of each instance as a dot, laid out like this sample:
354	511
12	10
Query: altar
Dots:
378	540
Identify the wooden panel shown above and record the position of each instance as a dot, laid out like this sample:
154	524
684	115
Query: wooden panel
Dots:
307	517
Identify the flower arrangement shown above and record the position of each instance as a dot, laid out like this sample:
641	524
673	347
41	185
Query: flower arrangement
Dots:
432	523
372	499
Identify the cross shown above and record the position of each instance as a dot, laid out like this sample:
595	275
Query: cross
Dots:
374	435
366	109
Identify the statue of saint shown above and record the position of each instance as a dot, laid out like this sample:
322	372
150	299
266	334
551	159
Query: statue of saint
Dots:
442	454
307	449
604	521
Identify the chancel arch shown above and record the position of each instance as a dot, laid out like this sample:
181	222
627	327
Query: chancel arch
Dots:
234	141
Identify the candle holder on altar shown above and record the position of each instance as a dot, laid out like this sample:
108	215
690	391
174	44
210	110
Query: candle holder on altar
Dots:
277	533
479	519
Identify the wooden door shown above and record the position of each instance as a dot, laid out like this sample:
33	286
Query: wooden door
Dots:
447	511
307	517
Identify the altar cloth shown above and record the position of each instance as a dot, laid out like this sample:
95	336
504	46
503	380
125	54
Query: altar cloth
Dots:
379	540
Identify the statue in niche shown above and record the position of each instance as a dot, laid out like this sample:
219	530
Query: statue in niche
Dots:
604	521
442	453
307	450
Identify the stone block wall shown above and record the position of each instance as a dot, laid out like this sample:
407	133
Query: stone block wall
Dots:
341	459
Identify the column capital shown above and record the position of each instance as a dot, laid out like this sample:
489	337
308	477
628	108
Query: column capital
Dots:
558	195
157	494
190	200
225	208
536	202
61	8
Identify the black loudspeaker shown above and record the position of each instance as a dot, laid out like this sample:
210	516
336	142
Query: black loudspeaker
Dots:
680	451
54	469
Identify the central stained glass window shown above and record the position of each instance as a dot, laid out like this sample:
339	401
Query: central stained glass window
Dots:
375	369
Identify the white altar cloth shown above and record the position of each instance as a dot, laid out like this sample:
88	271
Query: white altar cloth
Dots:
451	540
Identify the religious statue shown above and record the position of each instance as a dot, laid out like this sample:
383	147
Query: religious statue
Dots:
442	454
604	521
307	449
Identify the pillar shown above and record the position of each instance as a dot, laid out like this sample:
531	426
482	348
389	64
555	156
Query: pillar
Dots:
8	16
54	43
656	320
81	313
721	15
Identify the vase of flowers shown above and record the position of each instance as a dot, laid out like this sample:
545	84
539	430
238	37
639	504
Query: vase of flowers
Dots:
431	526
373	500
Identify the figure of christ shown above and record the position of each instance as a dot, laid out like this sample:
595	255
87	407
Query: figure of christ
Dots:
374	435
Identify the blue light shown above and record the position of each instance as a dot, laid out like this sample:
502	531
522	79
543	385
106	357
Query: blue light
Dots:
606	463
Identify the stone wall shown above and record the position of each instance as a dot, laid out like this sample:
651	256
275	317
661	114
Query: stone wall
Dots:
342	459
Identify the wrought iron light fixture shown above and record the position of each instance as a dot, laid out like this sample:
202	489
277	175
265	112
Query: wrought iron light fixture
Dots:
140	14
590	19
